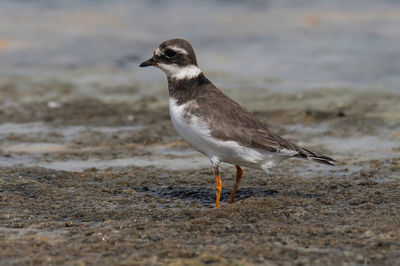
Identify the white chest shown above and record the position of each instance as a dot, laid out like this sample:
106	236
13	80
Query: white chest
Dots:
197	134
189	127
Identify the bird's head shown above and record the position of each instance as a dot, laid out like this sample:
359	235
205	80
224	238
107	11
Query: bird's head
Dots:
176	58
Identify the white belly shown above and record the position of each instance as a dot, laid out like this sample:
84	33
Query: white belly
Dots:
196	133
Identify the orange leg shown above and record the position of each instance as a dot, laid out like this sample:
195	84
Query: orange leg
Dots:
239	173
218	187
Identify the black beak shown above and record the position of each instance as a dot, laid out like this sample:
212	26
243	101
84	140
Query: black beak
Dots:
150	62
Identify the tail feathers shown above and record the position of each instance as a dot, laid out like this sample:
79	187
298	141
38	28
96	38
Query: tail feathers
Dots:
316	157
324	160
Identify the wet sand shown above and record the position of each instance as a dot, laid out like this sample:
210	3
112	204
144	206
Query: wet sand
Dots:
93	181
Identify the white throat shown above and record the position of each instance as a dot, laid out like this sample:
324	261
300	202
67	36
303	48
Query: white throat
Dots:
177	72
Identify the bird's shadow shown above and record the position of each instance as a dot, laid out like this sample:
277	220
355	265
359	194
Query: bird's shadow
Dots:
206	195
203	195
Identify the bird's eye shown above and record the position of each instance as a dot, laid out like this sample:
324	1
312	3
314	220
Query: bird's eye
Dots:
170	53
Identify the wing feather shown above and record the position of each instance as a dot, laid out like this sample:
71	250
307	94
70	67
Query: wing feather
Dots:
231	121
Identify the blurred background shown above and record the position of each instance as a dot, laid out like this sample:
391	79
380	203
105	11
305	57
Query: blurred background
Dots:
92	171
284	46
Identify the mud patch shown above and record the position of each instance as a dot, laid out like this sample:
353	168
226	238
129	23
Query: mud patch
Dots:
56	216
105	179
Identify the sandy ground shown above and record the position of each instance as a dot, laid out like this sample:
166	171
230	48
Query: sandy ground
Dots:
90	181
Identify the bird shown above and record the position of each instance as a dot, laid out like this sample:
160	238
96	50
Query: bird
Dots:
216	125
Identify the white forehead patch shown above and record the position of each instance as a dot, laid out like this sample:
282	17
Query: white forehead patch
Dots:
157	52
177	72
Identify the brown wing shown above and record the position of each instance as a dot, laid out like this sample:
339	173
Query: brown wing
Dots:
231	121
